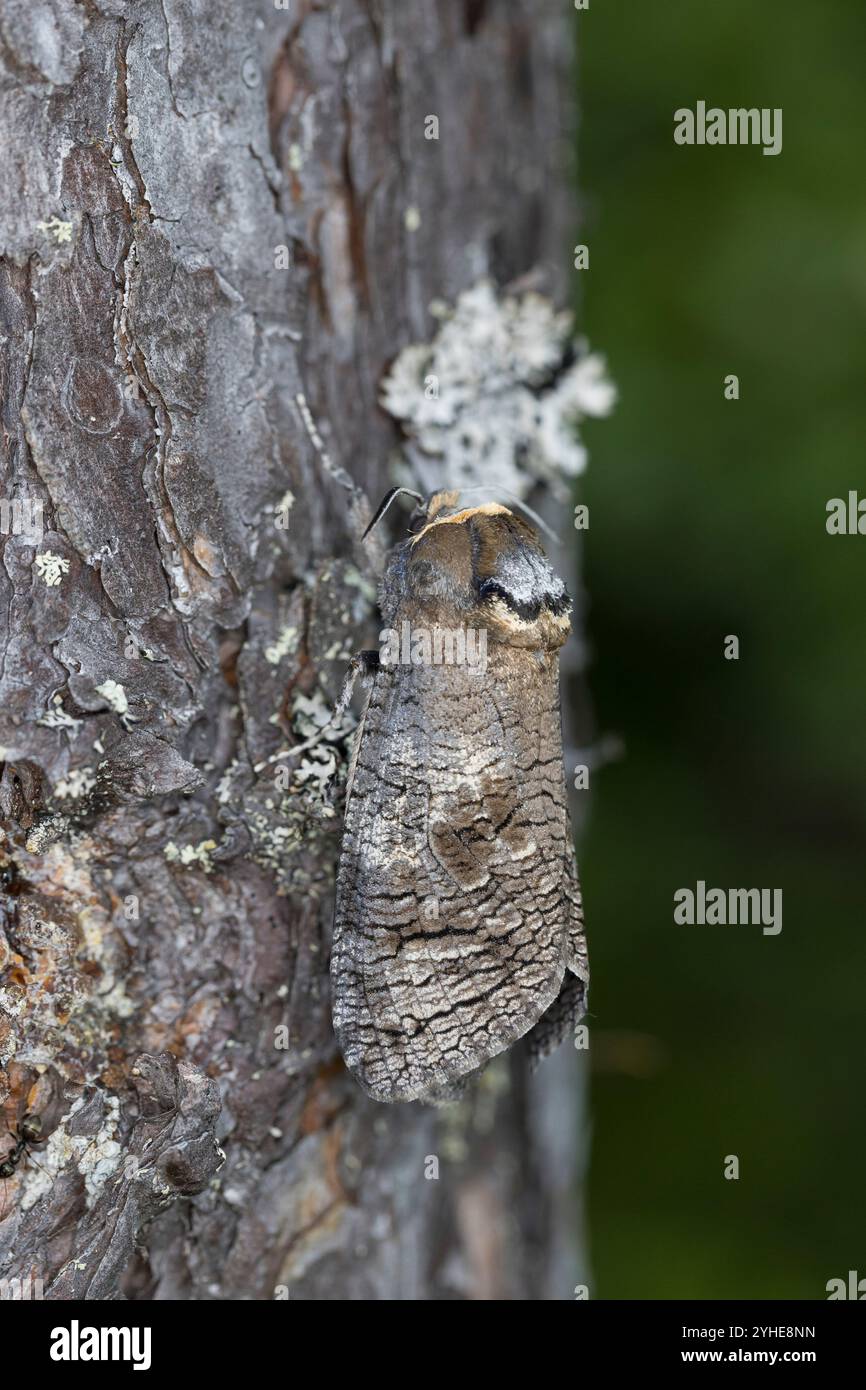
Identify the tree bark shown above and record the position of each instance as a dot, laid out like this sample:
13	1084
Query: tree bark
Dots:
222	222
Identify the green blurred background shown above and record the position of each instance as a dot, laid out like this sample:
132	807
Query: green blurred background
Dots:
707	517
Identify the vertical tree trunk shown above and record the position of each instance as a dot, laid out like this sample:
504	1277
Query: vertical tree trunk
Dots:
222	222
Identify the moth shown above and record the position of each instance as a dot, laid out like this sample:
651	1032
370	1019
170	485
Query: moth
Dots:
458	920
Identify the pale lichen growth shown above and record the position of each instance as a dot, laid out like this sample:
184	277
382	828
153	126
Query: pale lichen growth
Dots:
57	229
96	1156
316	771
497	395
338	651
116	1001
288	818
57	718
224	790
50	567
77	783
115	697
311	713
191	856
286	642
354	579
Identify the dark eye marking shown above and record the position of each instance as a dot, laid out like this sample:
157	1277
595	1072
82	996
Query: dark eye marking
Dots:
527	609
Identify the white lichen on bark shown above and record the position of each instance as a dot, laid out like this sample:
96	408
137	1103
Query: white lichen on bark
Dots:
497	396
51	568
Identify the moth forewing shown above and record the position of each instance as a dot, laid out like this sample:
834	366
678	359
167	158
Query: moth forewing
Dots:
458	913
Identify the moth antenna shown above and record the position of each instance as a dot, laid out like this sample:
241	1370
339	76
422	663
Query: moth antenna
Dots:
386	502
524	506
334	470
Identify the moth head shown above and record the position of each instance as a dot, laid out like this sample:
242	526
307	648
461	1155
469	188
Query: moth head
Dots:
476	567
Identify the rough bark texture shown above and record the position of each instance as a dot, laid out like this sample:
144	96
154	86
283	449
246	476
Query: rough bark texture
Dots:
168	906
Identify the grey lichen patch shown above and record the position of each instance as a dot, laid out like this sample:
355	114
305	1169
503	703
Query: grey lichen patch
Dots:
96	1156
343	604
78	782
317	771
69	951
289	833
225	788
312	715
291	811
497	395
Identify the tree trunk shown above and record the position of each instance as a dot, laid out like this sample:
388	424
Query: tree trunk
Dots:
223	221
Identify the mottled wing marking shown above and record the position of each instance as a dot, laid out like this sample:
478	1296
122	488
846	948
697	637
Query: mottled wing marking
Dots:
474	833
456	912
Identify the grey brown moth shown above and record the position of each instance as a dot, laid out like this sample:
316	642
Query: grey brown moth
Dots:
458	923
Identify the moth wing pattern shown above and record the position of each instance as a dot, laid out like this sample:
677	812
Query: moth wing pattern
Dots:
559	1021
569	1007
458	912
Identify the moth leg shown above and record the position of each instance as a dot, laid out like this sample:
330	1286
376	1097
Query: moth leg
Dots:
363	664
